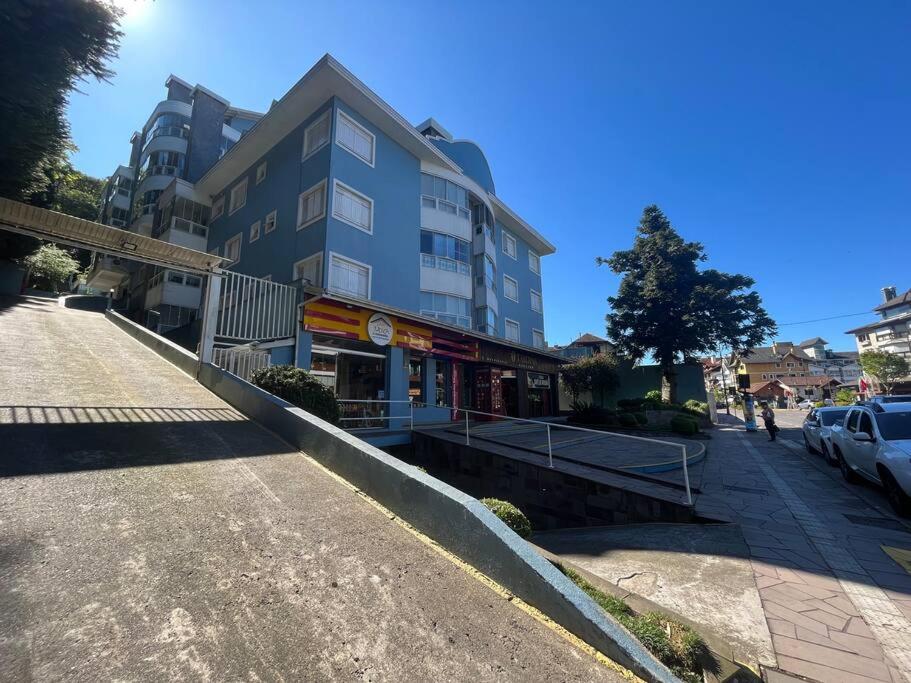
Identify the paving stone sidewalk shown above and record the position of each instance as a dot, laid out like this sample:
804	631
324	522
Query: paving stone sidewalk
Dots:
836	604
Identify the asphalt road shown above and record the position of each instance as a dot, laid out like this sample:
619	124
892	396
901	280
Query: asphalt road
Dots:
150	532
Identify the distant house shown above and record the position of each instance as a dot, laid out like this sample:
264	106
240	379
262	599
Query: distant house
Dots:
584	346
841	365
782	359
769	390
813	387
892	332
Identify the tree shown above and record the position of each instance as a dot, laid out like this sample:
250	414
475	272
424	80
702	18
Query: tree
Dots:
844	397
595	374
666	307
886	367
51	263
46	48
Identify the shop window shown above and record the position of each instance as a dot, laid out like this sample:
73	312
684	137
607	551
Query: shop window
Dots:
444	383
416	380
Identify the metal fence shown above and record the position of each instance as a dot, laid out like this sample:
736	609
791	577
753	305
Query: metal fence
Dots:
241	361
254	309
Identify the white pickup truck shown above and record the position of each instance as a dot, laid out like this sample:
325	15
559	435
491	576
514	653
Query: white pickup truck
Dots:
875	443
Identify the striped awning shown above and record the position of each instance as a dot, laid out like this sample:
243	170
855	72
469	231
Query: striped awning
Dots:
78	232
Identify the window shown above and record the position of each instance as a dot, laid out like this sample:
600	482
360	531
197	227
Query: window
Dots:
349	277
270	222
447	308
254	231
310	270
439	193
509	245
484	264
238	196
260	173
790	365
193	281
851	424
311	205
316	135
232	248
764	376
537	304
510	289
512	330
534	262
537	339
486	320
218	208
866	425
352	207
415	380
355	138
445	252
176	278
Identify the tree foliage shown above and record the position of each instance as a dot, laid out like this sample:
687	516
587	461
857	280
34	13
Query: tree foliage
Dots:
667	307
46	48
597	374
886	367
51	263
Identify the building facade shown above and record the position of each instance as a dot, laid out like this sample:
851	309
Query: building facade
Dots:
843	366
891	333
782	359
417	281
185	134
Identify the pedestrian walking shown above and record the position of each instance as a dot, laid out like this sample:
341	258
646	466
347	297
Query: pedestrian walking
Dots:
768	418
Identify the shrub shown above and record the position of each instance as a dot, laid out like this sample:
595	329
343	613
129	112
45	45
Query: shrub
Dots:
819	404
684	424
510	515
641	418
697	407
297	386
587	413
654	396
627	404
627	420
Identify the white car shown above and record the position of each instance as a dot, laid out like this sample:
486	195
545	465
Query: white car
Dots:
806	404
817	430
875	443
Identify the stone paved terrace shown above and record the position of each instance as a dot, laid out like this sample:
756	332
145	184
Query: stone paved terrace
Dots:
837	606
150	532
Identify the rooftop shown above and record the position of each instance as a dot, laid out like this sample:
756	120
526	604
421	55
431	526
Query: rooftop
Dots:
895	301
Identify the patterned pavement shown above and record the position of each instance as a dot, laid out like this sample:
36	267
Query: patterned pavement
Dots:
837	606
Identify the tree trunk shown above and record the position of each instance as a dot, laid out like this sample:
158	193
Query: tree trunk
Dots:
668	382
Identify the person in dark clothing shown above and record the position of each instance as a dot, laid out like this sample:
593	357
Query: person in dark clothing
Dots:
768	417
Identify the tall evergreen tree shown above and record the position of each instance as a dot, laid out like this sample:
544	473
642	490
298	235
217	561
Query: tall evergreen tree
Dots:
667	307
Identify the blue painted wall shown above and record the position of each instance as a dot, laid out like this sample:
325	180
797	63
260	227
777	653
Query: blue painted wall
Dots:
470	159
518	270
205	135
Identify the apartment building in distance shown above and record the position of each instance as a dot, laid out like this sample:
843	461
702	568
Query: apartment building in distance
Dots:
892	332
843	366
184	135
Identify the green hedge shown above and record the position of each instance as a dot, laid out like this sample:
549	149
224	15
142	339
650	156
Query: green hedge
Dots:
300	388
699	408
510	515
641	419
627	420
684	424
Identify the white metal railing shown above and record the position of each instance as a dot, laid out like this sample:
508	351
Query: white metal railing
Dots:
254	309
445	263
241	361
549	426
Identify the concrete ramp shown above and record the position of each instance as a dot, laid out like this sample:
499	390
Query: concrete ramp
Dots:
149	531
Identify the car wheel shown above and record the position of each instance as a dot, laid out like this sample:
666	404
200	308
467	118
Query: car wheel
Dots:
806	444
846	472
828	456
898	499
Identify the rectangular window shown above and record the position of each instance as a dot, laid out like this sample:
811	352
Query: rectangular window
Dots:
238	196
254	231
510	289
316	135
353	137
176	278
232	248
537	304
260	173
311	205
270	222
352	207
349	277
537	339
447	308
512	330
309	270
415	380
509	245
218	208
193	281
534	262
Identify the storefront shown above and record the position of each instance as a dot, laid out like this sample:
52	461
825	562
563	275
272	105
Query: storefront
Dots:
369	355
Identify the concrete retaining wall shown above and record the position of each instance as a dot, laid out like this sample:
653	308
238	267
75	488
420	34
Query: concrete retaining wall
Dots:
171	352
453	519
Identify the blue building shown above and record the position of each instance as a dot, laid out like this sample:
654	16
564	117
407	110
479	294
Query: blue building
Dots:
185	134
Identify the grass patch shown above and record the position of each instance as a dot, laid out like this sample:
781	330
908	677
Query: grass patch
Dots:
675	645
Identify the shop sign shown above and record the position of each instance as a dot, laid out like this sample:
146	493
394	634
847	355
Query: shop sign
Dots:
536	380
379	329
502	355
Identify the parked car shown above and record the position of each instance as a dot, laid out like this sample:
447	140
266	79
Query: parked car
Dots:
904	398
875	443
805	404
817	430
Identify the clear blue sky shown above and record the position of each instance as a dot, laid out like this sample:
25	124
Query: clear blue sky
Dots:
775	133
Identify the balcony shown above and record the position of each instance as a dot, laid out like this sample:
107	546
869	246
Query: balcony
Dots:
106	273
174	289
445	275
184	233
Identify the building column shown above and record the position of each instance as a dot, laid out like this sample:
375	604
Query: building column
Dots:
303	349
429	380
522	392
397	386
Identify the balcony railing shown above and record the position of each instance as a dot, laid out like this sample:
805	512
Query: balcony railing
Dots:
183	225
445	263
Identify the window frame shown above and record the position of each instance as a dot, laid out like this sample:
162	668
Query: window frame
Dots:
234	209
532	300
318	256
537	260
515	246
218	208
239	238
515	282
309	129
336	183
300	204
333	255
259	178
273	215
257	228
506	323
357	126
535	330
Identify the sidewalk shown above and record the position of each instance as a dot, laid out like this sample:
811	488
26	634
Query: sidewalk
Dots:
836	604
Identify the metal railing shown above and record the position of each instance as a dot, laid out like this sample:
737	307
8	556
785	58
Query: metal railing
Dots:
241	361
254	309
549	426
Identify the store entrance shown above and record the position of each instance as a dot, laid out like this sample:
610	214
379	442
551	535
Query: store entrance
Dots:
510	387
356	375
539	396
